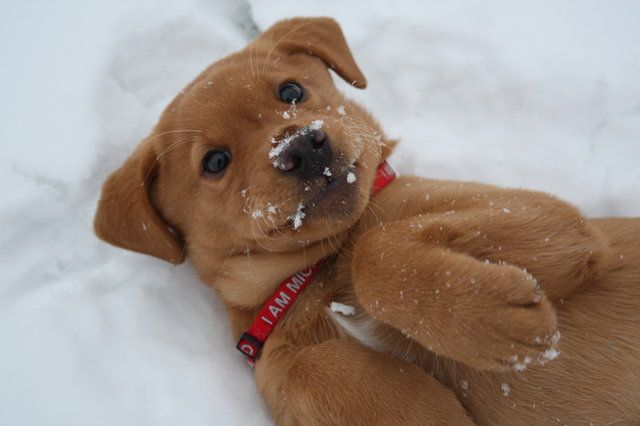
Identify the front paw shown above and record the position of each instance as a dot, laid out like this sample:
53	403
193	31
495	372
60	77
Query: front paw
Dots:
513	323
488	316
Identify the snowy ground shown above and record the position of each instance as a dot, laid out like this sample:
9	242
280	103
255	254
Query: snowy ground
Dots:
543	95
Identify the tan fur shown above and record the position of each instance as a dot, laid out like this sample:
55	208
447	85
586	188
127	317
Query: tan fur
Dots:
460	289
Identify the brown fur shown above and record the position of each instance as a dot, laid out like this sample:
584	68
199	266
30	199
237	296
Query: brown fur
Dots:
441	273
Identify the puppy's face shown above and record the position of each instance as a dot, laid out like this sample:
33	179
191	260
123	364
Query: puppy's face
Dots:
260	151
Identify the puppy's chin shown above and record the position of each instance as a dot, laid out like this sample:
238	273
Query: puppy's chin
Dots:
325	215
338	201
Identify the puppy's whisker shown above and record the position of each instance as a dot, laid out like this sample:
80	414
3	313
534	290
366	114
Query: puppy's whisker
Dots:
168	132
373	212
281	39
224	262
324	252
374	204
171	147
304	255
253	271
261	220
253	73
255	224
333	247
174	145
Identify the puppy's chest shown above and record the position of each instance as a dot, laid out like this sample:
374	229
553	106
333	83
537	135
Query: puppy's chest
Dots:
354	323
328	309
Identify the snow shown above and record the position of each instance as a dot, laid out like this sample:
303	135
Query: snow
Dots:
316	125
342	308
550	354
520	366
282	144
298	216
543	95
506	389
351	177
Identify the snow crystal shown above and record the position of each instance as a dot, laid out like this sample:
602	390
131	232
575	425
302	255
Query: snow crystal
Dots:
286	115
342	308
256	214
351	177
550	354
464	385
316	125
298	216
282	144
506	389
520	366
341	110
326	172
506	210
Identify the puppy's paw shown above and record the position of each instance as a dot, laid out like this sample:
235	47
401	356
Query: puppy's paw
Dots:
517	325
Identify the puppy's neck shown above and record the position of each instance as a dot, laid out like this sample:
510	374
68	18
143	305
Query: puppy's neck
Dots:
246	279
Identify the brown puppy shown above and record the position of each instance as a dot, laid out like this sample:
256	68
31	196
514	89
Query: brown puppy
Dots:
260	168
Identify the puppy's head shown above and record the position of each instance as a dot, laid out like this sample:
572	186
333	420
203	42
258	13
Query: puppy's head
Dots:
259	152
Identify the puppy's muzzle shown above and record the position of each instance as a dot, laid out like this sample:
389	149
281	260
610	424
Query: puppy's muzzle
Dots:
307	155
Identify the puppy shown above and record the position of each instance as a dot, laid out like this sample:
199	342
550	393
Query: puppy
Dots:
453	303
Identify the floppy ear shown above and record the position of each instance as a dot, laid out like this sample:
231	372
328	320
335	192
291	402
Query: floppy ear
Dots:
321	37
387	147
126	217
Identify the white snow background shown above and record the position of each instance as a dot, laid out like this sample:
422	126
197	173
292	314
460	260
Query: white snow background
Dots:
542	94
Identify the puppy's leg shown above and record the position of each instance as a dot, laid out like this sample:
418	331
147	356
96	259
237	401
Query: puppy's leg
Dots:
545	236
532	230
489	316
341	382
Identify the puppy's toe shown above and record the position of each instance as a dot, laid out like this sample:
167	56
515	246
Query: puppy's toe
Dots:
530	324
523	327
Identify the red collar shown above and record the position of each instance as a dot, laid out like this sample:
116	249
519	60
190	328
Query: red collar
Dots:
282	299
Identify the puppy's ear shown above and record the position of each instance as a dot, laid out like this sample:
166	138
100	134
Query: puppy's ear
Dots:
126	217
321	37
387	147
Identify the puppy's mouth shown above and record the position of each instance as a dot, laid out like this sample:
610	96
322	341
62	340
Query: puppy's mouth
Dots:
336	197
335	200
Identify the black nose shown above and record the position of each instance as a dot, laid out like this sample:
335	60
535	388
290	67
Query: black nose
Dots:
306	155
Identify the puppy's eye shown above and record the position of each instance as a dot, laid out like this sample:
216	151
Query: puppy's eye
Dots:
290	92
215	161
